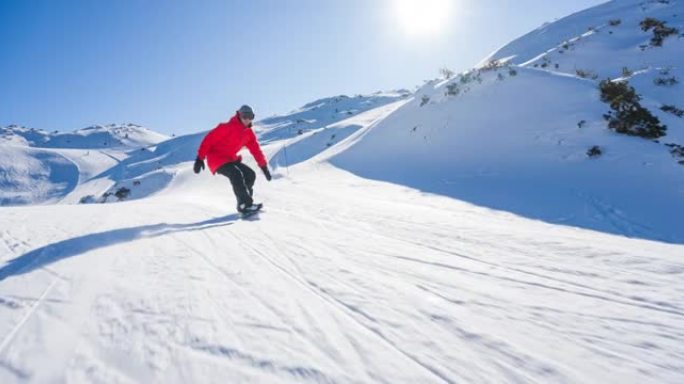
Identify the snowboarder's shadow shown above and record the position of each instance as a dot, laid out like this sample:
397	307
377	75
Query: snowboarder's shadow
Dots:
46	255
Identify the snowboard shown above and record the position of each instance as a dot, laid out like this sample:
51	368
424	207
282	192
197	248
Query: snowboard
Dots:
246	215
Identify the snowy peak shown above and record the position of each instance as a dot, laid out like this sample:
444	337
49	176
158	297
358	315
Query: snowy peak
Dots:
323	112
112	135
94	137
16	134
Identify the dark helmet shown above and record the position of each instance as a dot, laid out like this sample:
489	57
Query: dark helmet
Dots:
246	111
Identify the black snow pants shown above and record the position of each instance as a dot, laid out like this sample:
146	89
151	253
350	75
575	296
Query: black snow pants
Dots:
242	178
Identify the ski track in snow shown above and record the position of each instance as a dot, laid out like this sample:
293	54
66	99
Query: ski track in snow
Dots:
360	281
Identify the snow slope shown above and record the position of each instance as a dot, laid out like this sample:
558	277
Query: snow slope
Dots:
30	175
341	279
516	137
38	167
295	150
322	113
587	41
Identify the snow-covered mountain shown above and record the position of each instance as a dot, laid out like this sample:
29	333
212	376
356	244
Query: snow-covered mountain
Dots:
473	136
517	133
94	137
37	166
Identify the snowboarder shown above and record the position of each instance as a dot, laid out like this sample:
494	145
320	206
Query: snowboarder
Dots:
221	146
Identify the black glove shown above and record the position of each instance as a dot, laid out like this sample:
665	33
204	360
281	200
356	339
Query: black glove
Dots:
199	165
266	172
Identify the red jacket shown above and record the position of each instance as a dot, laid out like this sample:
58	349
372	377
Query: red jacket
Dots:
222	144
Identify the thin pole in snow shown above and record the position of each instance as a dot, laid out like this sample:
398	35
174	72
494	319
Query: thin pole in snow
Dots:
287	163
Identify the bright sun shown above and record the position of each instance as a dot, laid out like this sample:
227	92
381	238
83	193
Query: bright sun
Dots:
423	17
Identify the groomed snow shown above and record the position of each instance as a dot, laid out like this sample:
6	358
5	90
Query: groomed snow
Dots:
341	279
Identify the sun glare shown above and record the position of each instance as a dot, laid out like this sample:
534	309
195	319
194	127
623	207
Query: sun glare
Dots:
423	17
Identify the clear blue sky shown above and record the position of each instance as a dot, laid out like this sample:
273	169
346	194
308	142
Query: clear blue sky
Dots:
182	66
